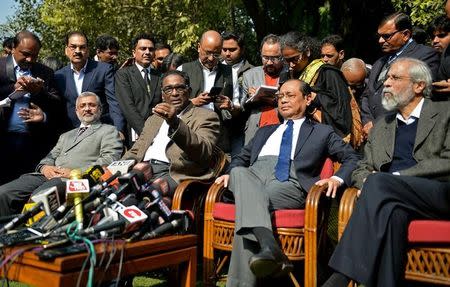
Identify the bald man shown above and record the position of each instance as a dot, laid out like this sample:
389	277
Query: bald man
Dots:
355	73
207	72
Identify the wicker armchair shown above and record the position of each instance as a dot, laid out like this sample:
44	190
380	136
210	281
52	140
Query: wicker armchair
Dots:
428	258
190	194
297	231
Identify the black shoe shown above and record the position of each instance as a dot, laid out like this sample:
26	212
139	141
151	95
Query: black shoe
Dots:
268	262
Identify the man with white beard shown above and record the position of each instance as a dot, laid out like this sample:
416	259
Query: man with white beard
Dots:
407	167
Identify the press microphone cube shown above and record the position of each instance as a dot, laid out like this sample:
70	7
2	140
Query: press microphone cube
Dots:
134	216
121	165
34	218
49	197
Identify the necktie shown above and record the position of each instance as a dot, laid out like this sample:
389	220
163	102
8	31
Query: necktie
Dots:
147	80
81	130
284	158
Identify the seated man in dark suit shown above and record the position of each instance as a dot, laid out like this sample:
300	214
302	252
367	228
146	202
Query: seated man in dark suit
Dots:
413	140
179	138
86	75
275	171
93	143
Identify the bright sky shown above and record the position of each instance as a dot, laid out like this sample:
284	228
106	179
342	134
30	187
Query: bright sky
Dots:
6	9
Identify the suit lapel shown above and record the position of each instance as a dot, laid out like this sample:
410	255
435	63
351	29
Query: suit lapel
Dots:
303	135
136	74
84	135
88	76
71	88
426	123
389	135
10	72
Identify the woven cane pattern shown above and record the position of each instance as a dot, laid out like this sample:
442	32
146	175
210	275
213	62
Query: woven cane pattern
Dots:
429	265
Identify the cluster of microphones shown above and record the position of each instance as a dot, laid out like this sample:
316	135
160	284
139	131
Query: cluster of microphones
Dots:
118	201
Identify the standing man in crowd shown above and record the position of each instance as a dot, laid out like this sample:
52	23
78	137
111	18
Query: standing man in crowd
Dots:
440	33
233	54
395	39
107	50
162	50
261	111
83	74
207	72
332	50
138	86
29	119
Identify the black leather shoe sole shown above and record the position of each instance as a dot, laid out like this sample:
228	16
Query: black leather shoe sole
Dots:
263	267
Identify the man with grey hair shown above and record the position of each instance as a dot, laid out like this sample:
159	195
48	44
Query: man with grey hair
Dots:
93	143
409	149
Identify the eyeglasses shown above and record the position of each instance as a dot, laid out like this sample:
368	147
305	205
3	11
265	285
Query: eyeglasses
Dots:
395	78
168	90
74	47
294	59
280	96
274	59
209	54
160	58
387	37
358	86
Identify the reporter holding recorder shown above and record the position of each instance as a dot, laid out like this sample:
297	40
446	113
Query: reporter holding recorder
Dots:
93	143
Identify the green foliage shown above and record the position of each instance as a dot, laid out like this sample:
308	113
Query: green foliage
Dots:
422	12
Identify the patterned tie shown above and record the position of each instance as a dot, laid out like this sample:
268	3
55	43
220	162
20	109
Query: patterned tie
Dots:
147	80
284	158
81	130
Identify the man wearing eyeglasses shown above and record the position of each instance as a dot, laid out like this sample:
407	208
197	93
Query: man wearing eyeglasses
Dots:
261	111
178	139
207	72
162	50
85	75
395	39
413	140
138	86
275	171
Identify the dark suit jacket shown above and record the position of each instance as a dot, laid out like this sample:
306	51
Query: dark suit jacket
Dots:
48	100
191	147
99	79
371	108
224	78
315	143
224	75
131	92
431	147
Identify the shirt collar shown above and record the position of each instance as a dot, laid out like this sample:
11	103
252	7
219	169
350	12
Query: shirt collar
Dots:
296	121
140	68
415	114
208	70
83	70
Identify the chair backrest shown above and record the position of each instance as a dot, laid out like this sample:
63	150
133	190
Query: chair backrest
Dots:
218	162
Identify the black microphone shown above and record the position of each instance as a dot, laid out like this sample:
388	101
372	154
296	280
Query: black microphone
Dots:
21	218
157	198
164	228
103	227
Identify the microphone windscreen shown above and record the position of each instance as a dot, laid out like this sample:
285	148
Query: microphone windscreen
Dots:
93	174
162	186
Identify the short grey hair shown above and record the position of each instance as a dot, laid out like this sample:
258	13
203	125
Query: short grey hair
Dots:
89	94
419	72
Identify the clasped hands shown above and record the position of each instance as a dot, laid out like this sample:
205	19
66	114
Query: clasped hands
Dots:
50	171
222	102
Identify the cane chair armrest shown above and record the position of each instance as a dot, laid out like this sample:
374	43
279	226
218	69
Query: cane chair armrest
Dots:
346	206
